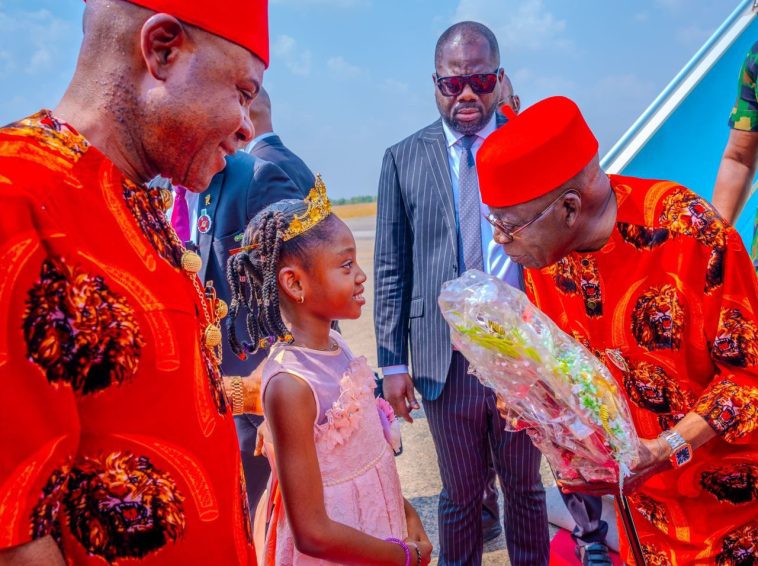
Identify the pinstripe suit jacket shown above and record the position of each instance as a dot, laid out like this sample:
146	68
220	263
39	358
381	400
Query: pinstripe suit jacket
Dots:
416	252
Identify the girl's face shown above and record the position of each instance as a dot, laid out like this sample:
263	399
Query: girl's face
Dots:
334	282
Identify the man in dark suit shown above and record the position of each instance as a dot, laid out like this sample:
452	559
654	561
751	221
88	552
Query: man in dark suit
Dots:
429	230
267	145
246	186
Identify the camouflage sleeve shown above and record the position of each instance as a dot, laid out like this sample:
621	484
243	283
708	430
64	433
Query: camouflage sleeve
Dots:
744	115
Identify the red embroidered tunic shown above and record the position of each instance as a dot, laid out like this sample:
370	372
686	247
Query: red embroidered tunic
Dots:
115	437
669	305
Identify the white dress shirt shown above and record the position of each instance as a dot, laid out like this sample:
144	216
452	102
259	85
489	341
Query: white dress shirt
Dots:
496	261
256	139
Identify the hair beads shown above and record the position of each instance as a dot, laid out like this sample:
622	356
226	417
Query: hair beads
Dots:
252	278
252	272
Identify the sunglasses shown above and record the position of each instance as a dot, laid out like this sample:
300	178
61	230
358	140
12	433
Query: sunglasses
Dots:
510	231
480	83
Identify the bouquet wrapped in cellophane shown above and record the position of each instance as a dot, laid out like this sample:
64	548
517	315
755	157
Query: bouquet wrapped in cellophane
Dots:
553	386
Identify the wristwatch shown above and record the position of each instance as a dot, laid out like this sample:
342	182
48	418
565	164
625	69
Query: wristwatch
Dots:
681	451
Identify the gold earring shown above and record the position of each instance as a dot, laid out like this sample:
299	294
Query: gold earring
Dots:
301	300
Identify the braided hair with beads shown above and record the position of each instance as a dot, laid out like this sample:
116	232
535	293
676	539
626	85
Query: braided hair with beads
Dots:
252	274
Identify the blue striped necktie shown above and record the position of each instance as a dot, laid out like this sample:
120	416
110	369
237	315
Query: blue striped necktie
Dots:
469	212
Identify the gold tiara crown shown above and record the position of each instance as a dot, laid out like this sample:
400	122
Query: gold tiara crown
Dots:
319	208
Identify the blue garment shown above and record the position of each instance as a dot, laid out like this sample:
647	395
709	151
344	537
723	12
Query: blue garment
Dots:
269	147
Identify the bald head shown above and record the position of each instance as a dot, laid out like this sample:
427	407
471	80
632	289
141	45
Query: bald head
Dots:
111	29
467	33
141	81
260	113
507	96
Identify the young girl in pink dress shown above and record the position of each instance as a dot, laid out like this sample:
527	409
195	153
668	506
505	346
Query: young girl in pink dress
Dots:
332	459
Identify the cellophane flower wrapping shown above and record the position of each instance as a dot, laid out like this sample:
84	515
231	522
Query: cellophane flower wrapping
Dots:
553	387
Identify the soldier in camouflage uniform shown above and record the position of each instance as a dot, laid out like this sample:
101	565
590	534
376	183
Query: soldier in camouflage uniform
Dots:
738	165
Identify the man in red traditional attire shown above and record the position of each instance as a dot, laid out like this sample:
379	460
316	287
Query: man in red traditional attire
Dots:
649	277
118	441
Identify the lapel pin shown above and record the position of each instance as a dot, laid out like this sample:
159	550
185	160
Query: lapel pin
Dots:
204	222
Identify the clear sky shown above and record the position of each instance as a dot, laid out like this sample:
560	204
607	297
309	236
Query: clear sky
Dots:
350	77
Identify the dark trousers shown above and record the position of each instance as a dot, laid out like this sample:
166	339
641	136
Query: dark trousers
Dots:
586	511
490	505
465	426
256	468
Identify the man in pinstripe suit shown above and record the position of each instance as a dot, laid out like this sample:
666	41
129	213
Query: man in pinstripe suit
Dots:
429	230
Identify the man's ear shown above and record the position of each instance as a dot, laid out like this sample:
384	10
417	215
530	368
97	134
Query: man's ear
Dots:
290	282
162	38
571	207
516	102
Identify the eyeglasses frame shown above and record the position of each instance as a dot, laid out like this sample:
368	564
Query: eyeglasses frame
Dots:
510	234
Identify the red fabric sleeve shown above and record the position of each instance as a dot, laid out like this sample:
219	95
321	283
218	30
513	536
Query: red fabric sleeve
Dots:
730	402
39	425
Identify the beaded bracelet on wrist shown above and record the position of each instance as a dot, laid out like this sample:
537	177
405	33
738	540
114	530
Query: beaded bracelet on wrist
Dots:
404	547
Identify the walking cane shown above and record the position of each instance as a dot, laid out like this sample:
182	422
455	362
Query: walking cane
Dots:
630	529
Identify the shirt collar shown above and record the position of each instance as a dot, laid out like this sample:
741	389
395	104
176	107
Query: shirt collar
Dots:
453	136
257	139
189	195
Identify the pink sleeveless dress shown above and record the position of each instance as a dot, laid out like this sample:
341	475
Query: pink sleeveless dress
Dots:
361	484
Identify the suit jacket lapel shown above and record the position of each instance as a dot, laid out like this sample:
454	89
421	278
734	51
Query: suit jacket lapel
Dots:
205	241
439	165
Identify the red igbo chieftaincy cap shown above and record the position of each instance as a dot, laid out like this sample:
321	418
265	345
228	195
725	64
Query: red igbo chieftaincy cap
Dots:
534	153
244	22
